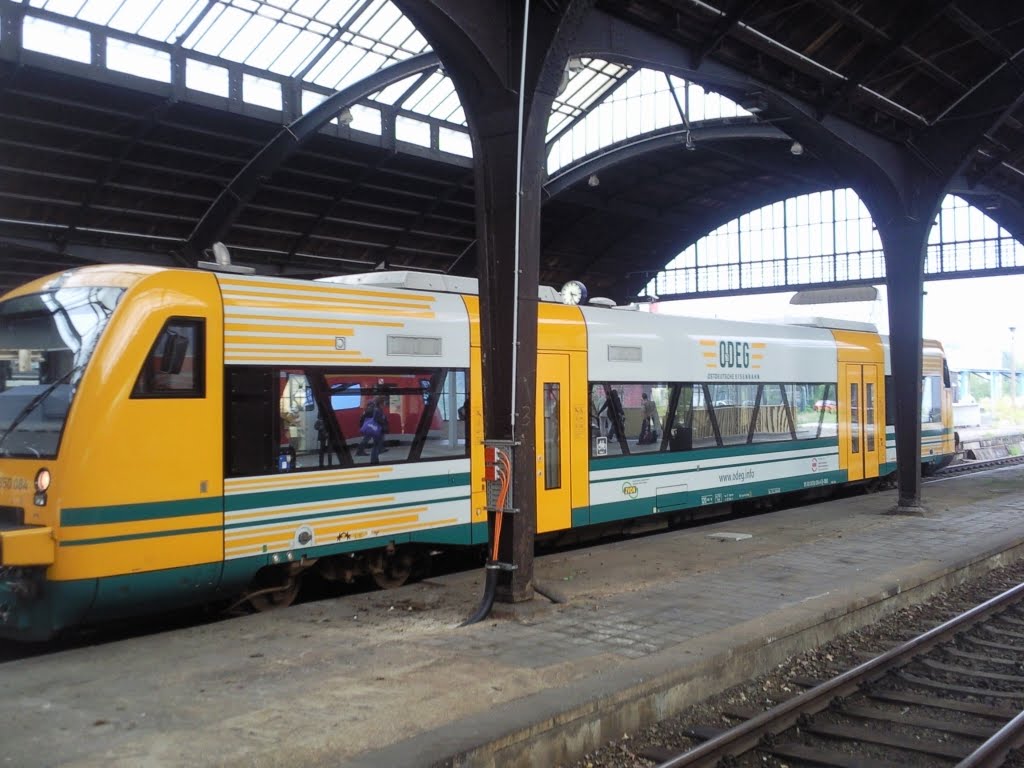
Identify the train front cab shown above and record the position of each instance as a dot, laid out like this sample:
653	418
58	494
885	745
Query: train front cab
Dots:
129	431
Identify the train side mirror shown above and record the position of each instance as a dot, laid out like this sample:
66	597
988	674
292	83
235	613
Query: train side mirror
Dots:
173	358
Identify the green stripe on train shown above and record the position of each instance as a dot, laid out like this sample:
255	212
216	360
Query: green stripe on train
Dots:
129	513
459	534
291	496
679	500
598	463
157	510
136	536
286	517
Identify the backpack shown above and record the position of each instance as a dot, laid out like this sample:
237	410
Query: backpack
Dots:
367	414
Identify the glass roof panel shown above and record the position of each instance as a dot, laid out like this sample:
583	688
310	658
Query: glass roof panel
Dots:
333	65
336	43
333	43
63	7
97	11
395	90
400	33
248	38
166	23
645	102
131	16
267	53
377	22
430	95
586	83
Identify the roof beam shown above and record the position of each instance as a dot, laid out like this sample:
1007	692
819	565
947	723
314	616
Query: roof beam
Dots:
960	128
866	158
218	218
904	26
725	25
653	142
879	36
144	129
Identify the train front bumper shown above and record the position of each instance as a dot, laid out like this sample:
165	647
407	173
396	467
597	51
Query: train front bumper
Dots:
25	552
26	545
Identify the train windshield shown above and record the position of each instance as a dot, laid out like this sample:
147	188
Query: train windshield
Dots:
46	340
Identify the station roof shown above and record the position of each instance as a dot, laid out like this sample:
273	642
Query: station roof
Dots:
106	159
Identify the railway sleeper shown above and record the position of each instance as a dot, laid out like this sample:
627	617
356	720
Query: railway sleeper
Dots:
956	669
862	735
817	756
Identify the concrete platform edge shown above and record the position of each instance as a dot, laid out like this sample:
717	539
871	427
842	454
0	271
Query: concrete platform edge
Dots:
563	725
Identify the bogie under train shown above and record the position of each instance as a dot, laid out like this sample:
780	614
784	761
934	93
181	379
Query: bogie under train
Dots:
172	437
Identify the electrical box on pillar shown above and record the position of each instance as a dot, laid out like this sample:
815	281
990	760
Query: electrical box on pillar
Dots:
499	460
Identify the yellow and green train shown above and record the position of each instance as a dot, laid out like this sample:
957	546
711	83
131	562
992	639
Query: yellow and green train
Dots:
174	436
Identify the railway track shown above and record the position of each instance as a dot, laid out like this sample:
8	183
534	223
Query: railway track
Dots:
961	467
952	696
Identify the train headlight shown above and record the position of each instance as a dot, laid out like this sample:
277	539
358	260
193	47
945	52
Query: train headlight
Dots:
43	480
42	486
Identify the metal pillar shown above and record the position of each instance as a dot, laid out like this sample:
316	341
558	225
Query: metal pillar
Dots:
904	244
508	326
494	75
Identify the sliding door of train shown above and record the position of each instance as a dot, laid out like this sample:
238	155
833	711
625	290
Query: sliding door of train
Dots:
861	437
554	507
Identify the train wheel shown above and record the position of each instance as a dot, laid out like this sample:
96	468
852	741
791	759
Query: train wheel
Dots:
269	598
390	569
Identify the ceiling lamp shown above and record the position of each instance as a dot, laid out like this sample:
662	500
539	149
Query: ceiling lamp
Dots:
797	148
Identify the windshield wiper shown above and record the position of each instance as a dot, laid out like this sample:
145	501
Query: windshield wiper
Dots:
32	404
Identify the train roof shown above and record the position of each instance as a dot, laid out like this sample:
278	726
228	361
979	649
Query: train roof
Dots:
425	281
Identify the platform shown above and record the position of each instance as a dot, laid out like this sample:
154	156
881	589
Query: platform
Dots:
386	679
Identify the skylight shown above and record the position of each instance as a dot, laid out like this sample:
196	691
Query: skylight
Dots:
328	45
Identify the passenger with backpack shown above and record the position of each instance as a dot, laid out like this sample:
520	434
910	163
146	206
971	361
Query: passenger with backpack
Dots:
373	424
651	423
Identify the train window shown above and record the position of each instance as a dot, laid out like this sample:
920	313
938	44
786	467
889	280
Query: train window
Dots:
678	420
854	418
773	418
629	418
306	419
931	400
890	403
249	447
869	414
683	417
814	410
734	406
175	365
552	436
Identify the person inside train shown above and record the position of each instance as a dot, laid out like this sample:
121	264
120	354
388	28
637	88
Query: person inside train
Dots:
651	423
615	413
373	425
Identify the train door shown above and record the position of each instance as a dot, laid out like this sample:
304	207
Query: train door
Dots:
859	414
554	508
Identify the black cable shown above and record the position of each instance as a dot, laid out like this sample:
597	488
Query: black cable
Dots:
487	602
